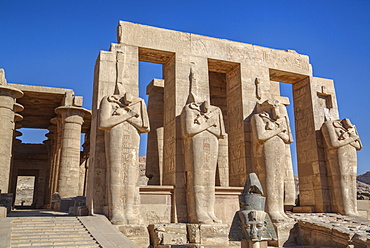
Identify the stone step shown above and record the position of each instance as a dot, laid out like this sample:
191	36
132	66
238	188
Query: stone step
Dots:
61	246
45	239
50	232
44	222
48	221
19	233
59	228
47	224
91	243
43	219
70	235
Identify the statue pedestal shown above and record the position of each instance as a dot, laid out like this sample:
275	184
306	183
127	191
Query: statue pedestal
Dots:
253	244
188	235
285	233
166	235
208	235
136	233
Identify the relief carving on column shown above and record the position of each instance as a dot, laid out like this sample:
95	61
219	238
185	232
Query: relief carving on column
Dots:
123	117
202	126
270	134
342	142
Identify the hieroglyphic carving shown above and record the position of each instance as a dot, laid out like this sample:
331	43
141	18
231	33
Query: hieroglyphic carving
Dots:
342	142
223	161
286	58
258	88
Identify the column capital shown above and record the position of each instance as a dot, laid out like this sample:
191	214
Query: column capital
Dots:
56	120
17	117
10	91
8	95
72	114
18	107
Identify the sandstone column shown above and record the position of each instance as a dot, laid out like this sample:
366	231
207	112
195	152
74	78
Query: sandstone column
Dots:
57	121
68	179
154	154
8	96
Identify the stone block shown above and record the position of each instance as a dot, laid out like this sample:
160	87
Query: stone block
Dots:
65	204
155	213
167	234
77	101
172	246
193	233
136	233
78	211
363	214
285	233
7	201
3	212
208	235
363	204
303	209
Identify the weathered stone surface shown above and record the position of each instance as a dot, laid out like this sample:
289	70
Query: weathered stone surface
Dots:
8	96
123	117
251	224
136	233
154	166
202	126
167	234
25	189
156	204
3	211
332	230
69	167
226	81
342	142
271	133
6	199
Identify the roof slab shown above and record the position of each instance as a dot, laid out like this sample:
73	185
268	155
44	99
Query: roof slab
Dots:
39	103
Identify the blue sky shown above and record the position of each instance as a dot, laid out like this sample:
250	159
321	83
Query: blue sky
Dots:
56	43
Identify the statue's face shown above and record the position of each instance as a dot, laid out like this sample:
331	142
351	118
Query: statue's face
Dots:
253	224
255	230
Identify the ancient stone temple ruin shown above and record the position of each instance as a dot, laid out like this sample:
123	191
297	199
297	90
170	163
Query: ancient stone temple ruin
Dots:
215	117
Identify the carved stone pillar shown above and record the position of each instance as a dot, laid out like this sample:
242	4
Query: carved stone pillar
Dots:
154	153
8	96
52	141
56	154
72	120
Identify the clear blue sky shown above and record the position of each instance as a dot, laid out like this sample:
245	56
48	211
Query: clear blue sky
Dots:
56	43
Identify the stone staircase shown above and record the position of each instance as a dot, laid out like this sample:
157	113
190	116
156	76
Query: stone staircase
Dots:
63	231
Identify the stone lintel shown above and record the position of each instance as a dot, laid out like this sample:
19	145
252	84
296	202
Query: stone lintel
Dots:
165	189
285	77
228	190
41	89
164	42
